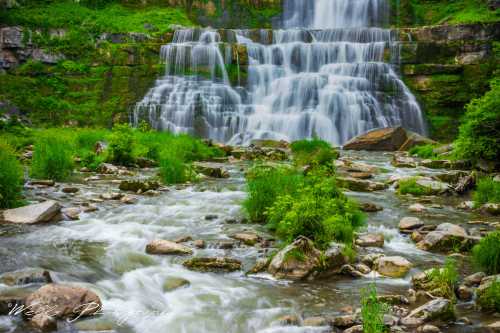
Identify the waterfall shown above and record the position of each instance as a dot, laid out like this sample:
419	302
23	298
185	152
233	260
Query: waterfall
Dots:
329	73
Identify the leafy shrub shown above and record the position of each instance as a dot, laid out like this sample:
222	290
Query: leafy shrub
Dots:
487	190
51	158
423	151
92	161
313	152
410	186
121	145
173	169
489	299
264	184
372	311
479	136
11	177
442	281
318	211
486	254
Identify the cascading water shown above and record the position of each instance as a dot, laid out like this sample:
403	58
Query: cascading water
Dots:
325	75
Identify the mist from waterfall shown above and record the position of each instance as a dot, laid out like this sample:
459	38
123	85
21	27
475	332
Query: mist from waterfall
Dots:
330	73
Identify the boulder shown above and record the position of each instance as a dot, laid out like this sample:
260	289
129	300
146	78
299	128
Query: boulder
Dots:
63	301
106	168
428	329
446	237
415	139
161	246
295	261
199	244
36	213
138	186
370	240
128	200
417	208
410	223
249	238
70	189
260	266
210	169
433	187
439	308
369	207
25	276
344	321
475	279
172	283
71	213
385	139
334	257
404	162
315	321
491	208
464	293
394	266
360	185
218	264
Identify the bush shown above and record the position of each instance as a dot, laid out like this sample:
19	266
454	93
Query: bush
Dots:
318	211
11	177
486	254
487	191
489	299
479	135
423	151
173	169
372	311
51	158
442	281
121	145
313	152
410	186
264	184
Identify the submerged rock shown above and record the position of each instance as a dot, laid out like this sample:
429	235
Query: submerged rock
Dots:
370	240
138	185
295	261
31	214
63	301
249	238
410	223
210	169
369	207
393	266
161	246
360	185
26	276
208	264
71	213
172	283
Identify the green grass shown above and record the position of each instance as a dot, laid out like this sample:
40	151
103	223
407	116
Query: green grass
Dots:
313	152
487	191
372	311
486	254
410	186
51	159
489	299
442	281
11	177
424	151
173	168
264	185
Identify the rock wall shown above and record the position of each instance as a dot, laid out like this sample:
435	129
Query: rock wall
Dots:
447	66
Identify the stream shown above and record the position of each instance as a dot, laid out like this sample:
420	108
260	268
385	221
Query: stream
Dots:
104	251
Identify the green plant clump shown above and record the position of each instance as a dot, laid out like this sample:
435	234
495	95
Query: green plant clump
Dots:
51	159
487	191
479	136
173	169
372	311
121	145
423	151
11	177
489	299
410	186
442	281
313	152
486	254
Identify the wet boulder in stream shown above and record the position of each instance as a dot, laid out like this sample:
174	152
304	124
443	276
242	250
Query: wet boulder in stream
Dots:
446	237
395	266
211	169
360	185
213	264
26	276
31	214
436	309
161	246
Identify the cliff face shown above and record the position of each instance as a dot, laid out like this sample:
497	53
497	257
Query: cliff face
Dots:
447	66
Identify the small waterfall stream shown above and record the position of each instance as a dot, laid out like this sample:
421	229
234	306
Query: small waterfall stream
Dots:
330	73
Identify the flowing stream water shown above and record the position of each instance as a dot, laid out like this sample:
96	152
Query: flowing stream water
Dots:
330	73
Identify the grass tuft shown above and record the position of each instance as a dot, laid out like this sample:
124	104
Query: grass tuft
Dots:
486	254
11	177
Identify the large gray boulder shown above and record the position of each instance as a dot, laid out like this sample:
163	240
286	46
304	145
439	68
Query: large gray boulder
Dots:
394	266
31	214
296	261
446	237
439	308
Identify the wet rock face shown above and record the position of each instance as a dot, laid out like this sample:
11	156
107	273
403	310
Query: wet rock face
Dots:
138	185
388	139
360	185
63	301
161	246
446	237
439	308
207	264
370	240
393	266
25	276
210	170
410	223
31	214
296	261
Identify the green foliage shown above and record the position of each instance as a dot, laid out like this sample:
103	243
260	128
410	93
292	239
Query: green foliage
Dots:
173	169
313	152
486	254
487	191
317	210
264	184
121	145
489	299
423	151
372	311
11	177
51	158
442	281
410	186
479	136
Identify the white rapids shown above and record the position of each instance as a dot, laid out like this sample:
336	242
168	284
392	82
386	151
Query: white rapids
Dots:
330	73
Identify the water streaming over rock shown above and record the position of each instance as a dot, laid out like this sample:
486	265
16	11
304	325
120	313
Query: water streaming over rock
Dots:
330	73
